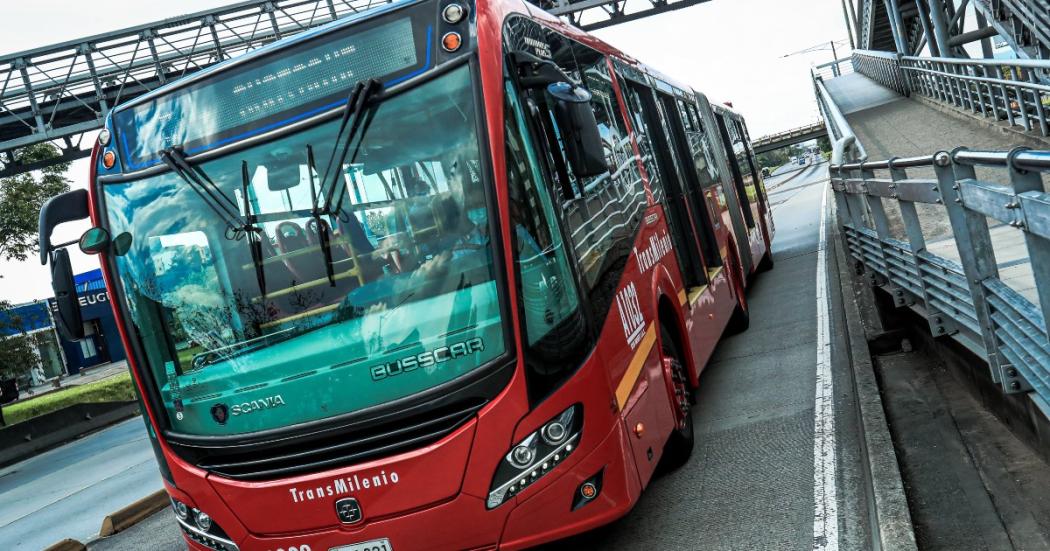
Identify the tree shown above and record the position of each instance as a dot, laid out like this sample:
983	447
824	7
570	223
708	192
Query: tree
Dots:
16	348
22	196
824	144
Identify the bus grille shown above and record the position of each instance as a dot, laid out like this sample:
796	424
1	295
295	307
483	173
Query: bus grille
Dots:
339	448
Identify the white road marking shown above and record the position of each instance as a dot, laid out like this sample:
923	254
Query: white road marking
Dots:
825	498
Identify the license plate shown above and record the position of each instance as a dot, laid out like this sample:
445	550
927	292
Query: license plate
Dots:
381	544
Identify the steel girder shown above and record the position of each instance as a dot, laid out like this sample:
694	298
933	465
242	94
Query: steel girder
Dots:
57	93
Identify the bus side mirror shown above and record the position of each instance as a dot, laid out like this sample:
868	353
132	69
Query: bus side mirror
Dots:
63	208
580	136
70	323
94	240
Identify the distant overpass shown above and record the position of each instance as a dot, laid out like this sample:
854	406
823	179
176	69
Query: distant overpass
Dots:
58	92
790	137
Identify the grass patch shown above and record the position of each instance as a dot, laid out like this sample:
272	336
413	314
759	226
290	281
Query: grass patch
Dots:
113	389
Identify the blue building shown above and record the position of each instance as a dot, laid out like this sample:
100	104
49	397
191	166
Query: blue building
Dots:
33	321
101	343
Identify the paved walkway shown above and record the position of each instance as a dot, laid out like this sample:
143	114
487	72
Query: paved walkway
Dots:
890	125
89	375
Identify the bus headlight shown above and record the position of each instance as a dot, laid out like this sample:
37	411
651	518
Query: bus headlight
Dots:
536	455
199	527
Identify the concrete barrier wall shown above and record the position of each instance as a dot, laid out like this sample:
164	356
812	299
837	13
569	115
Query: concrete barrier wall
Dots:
39	434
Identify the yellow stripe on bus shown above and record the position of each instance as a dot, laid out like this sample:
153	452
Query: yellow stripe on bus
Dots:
623	390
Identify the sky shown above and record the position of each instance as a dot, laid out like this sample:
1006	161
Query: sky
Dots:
731	50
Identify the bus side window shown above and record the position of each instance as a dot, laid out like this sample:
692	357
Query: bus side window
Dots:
753	162
555	327
730	136
642	133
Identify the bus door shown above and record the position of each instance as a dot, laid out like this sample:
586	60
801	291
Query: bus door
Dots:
739	187
678	220
694	193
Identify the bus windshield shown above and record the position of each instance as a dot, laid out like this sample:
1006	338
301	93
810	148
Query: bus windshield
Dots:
404	300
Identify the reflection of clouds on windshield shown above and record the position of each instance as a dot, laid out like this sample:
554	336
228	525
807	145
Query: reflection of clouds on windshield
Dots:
168	122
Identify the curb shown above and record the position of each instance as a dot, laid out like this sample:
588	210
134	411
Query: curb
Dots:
67	545
127	517
35	436
891	524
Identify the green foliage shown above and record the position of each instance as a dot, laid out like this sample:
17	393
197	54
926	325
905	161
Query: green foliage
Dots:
824	144
113	389
16	351
779	157
21	198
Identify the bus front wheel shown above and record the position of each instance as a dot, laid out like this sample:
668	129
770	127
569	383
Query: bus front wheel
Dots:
680	444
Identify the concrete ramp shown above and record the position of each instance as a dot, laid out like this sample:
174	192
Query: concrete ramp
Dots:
891	125
855	92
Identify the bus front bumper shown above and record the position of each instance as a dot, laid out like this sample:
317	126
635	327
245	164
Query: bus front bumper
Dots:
551	512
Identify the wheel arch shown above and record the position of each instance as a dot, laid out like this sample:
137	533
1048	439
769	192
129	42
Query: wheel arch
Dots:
670	314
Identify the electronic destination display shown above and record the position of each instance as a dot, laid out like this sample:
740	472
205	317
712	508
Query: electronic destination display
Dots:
278	89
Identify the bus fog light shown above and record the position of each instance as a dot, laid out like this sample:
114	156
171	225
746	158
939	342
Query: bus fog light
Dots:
536	455
103	137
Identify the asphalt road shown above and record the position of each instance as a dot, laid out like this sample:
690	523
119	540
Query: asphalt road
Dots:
751	482
66	492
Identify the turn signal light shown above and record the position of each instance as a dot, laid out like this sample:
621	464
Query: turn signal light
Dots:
109	159
451	41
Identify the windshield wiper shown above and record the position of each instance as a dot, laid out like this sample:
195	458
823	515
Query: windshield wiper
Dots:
351	126
199	182
254	231
322	225
222	205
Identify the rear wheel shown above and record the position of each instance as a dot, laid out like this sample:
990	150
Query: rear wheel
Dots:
767	262
740	319
680	445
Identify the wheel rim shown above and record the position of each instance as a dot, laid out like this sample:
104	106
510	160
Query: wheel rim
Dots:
679	390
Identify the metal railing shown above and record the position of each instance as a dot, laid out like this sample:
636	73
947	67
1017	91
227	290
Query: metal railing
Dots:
1013	91
882	67
964	298
844	144
836	68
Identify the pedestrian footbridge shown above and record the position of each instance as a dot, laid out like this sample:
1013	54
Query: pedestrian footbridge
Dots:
939	184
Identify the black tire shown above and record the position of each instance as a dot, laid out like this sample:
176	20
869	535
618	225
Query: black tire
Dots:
739	322
767	262
741	318
680	444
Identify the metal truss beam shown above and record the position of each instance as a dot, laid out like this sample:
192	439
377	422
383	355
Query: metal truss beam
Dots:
597	14
64	90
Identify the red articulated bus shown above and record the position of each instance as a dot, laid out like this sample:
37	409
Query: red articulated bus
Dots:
441	275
